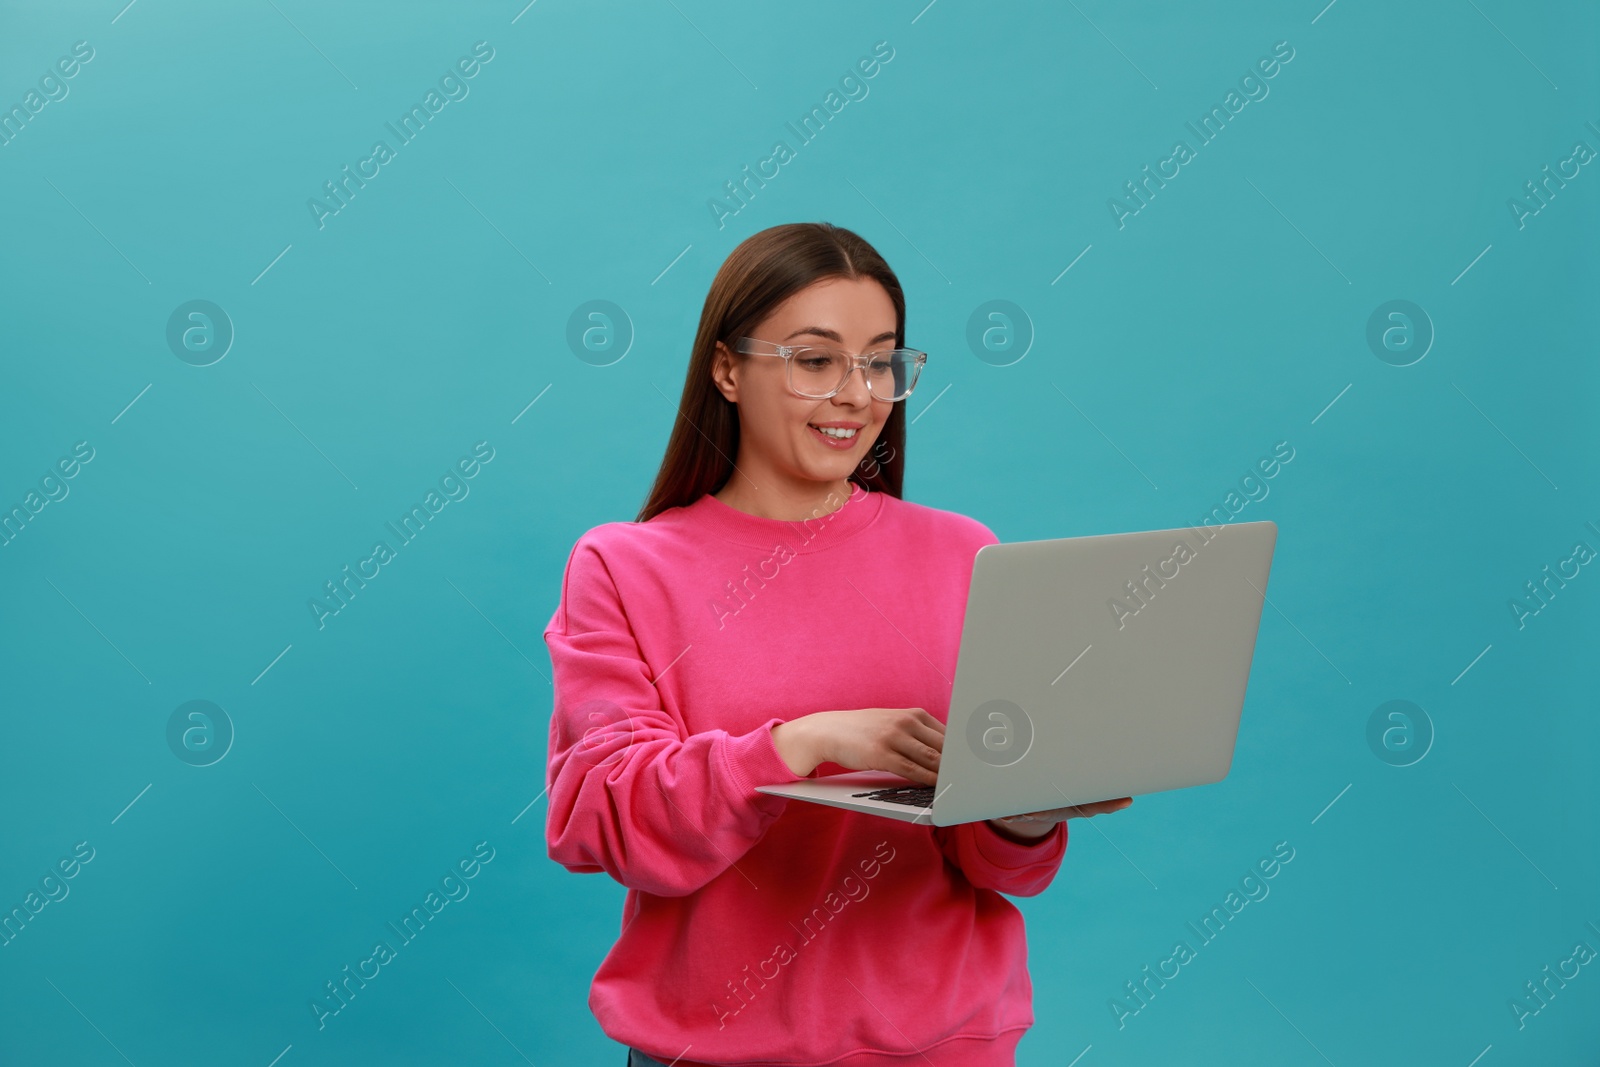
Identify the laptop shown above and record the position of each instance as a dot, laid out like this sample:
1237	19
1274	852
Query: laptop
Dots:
1090	668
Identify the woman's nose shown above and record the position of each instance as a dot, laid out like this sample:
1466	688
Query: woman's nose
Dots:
855	388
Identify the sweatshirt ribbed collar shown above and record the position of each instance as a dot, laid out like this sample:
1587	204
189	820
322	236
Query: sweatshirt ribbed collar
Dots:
858	512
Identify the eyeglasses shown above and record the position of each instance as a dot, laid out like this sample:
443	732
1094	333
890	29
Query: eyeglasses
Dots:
817	372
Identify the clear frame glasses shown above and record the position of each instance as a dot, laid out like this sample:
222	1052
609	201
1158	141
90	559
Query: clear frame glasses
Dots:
817	372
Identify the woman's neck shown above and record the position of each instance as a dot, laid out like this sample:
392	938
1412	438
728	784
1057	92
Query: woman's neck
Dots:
794	503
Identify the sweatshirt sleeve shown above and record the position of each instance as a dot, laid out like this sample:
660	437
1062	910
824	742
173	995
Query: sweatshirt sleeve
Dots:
991	861
632	794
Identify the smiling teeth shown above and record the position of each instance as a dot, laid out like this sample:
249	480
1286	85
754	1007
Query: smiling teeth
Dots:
836	432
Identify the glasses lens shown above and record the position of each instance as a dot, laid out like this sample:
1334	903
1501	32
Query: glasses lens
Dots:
816	372
819	372
893	374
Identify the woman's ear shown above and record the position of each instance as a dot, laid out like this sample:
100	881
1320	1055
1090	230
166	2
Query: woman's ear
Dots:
724	372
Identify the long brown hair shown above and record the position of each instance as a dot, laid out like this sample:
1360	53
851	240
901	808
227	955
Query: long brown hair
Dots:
762	272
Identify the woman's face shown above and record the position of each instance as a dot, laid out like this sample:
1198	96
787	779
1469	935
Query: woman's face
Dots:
778	430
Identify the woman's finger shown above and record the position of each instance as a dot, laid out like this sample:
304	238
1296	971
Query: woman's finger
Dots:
1073	811
911	770
1107	806
917	752
933	739
929	731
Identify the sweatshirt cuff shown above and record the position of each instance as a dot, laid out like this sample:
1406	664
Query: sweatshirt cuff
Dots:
752	759
1004	852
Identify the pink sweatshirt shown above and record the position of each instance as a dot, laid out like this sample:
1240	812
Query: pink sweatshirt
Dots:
758	929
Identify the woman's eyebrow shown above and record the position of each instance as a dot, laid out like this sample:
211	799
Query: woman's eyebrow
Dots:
833	335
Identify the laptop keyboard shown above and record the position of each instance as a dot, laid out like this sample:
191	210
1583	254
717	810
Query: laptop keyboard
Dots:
916	796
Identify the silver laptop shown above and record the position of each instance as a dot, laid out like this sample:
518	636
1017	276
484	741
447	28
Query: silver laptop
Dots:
1090	668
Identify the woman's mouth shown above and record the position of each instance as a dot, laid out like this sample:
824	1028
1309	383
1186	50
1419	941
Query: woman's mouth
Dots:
838	438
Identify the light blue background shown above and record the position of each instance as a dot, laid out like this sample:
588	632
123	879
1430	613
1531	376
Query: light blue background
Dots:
371	354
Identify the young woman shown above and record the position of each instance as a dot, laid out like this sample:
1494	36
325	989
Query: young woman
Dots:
774	576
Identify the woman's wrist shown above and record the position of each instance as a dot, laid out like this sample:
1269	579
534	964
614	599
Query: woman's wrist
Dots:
796	746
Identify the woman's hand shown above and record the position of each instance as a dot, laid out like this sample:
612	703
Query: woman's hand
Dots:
906	741
1036	824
